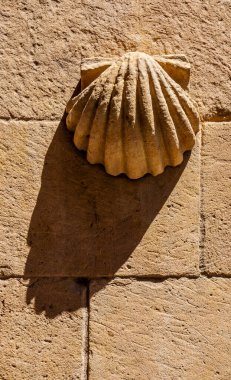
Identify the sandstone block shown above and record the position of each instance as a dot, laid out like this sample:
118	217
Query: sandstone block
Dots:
23	147
187	28
42	47
62	216
216	257
170	244
42	329
175	329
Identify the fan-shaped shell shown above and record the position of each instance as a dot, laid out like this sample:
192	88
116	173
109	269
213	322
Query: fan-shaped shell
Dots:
132	116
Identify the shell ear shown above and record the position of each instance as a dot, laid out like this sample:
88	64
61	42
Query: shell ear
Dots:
177	66
91	68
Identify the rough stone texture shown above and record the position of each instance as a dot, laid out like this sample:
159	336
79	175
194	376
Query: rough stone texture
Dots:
216	198
43	42
62	217
23	147
176	329
42	339
65	217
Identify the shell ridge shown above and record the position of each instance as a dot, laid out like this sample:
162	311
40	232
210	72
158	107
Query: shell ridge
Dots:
96	144
139	121
75	108
124	168
139	113
149	131
114	162
157	120
74	100
134	150
83	128
182	125
186	104
170	137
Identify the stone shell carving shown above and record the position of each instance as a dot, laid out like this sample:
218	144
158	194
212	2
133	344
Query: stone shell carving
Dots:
133	114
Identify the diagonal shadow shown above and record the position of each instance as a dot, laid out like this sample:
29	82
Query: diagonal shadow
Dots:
86	223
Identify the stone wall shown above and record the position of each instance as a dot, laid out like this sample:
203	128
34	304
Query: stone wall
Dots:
103	277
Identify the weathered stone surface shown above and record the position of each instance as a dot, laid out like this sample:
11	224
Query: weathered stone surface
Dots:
170	244
42	45
62	217
175	329
42	339
23	147
65	217
216	201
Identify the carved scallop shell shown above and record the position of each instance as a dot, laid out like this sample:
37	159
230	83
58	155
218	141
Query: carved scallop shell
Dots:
131	115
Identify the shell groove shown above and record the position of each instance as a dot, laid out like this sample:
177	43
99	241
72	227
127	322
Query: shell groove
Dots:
132	116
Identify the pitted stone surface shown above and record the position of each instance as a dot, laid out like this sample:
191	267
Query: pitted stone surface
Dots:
43	43
64	217
23	148
175	329
42	329
216	198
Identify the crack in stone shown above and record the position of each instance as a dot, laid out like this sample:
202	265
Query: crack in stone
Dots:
85	331
153	278
217	118
202	216
209	119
